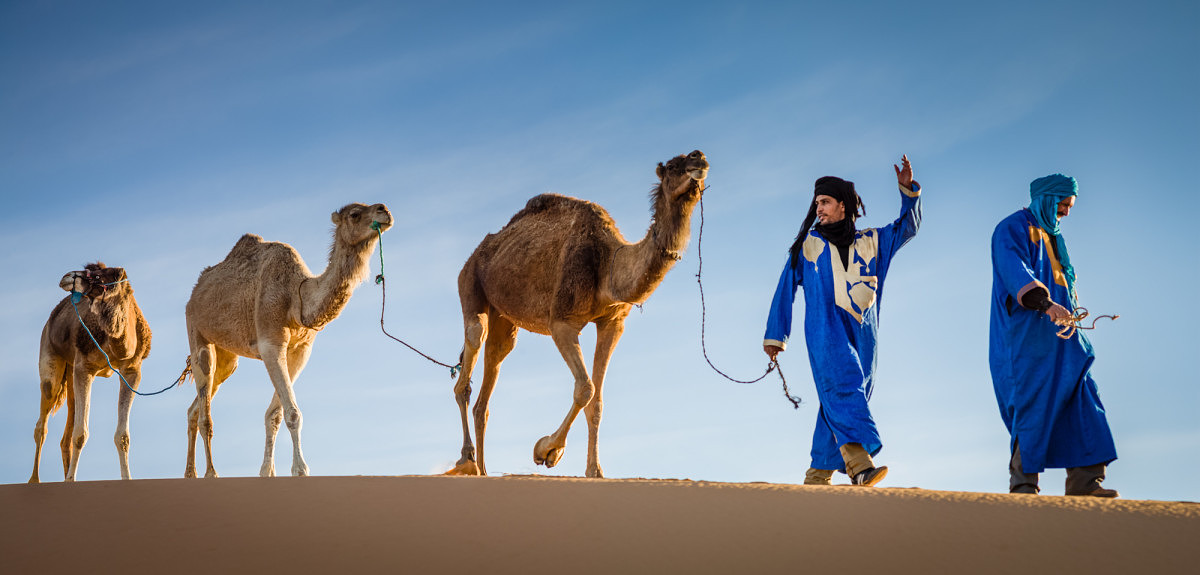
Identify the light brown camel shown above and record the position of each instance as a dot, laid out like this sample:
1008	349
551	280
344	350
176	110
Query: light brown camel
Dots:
558	265
262	302
69	360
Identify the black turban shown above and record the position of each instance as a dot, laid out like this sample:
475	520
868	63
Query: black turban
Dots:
842	191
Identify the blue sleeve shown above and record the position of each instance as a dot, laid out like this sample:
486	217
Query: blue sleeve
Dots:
1010	252
893	236
779	317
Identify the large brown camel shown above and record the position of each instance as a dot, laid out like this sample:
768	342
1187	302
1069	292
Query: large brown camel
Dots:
262	302
558	265
69	360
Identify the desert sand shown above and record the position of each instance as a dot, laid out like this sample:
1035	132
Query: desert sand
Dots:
561	525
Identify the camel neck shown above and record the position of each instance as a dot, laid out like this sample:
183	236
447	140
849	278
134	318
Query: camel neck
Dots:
638	268
323	297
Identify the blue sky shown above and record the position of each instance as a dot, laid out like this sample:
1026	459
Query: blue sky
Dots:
152	136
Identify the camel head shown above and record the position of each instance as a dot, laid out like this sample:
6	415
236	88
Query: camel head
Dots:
95	281
354	222
683	176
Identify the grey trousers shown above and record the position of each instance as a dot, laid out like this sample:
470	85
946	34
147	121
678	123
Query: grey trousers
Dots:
1080	480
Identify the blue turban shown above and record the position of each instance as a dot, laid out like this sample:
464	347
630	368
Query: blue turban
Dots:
1044	195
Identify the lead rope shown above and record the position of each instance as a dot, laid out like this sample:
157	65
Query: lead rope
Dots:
187	368
382	282
774	363
1075	322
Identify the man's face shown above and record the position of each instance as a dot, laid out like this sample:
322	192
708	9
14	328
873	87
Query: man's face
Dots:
1064	207
831	211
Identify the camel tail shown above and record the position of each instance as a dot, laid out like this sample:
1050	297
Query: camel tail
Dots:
187	372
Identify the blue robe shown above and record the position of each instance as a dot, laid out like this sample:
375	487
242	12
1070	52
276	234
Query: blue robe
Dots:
1047	397
841	321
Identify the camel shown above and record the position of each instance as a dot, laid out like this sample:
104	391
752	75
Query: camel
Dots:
69	360
262	302
558	265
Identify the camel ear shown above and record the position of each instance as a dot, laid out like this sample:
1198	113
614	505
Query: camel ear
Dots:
336	218
660	170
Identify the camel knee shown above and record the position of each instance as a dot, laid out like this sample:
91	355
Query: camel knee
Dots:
584	390
476	332
293	418
462	390
122	442
205	427
481	412
274	419
597	410
79	439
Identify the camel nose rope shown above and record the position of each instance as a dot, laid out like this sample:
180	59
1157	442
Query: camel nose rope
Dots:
773	365
187	368
382	282
1075	322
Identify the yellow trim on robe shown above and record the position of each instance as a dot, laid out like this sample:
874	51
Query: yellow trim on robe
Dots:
1037	234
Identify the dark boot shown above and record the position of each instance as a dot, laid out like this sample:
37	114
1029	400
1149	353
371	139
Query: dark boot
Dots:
1018	480
1085	481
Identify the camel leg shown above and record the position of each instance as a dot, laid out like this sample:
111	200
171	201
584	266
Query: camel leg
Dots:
226	364
607	335
200	412
69	427
296	360
502	337
549	450
79	433
51	369
274	357
475	326
193	419
133	375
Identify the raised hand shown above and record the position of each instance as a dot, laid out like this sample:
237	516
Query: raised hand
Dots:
904	176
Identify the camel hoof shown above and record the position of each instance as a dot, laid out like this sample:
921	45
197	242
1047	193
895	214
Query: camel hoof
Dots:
595	472
300	470
267	470
211	474
467	467
34	480
543	454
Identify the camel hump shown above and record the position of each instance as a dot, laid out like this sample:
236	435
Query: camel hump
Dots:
248	244
553	203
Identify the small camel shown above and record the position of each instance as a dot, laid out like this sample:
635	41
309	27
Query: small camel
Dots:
69	360
262	302
558	265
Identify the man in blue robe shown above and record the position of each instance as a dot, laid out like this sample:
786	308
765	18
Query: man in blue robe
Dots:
1046	394
842	270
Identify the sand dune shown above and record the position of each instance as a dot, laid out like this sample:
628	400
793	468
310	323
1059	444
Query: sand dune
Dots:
524	524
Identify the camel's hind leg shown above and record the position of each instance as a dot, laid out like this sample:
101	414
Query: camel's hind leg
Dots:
79	429
607	335
133	375
214	376
475	328
69	426
549	450
296	360
502	337
51	370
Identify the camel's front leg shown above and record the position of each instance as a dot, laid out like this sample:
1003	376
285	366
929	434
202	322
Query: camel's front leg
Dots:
133	375
297	358
549	450
274	358
607	335
79	433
